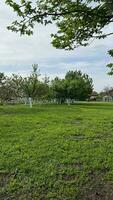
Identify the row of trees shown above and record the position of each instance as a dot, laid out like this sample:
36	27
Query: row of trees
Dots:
75	85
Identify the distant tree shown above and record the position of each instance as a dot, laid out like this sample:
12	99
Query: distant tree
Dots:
2	86
58	89
2	78
75	86
30	83
44	89
33	87
79	86
107	91
16	83
10	87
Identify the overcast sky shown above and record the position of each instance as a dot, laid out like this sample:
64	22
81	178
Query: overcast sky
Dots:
17	54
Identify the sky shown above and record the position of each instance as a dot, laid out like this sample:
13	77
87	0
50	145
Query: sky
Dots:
18	53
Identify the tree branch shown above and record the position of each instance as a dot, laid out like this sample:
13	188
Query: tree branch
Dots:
103	35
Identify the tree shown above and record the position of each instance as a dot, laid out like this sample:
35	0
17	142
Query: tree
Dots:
31	83
10	87
58	88
110	65
79	86
15	82
44	89
2	86
77	20
107	91
75	86
34	88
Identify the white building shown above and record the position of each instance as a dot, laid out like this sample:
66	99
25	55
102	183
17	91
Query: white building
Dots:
107	98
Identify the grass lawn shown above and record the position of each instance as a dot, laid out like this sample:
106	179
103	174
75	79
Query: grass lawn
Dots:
56	152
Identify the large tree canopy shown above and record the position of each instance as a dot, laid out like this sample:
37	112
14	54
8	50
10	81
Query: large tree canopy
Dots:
77	20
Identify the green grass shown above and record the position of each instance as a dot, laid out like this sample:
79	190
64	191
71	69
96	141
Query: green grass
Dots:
56	152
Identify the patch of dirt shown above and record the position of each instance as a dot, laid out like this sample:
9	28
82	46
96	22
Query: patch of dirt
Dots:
97	191
68	177
97	188
4	178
